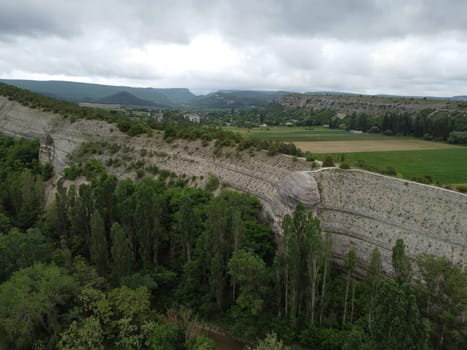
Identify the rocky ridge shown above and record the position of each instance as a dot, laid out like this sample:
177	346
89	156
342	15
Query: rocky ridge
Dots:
362	209
372	105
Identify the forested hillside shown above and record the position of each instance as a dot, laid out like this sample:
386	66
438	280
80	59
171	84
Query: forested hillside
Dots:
147	264
84	92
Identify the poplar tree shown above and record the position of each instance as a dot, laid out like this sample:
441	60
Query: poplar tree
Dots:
80	219
300	259
147	216
350	264
373	278
327	258
237	237
401	263
99	244
313	240
122	260
187	226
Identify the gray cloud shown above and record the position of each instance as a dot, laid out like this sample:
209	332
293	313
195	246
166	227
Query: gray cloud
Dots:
411	47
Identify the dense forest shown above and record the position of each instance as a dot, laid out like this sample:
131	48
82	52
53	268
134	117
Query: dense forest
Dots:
149	264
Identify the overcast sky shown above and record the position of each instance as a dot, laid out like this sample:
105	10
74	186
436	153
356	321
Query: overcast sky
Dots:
411	47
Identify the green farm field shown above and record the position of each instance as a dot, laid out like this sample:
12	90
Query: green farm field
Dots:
315	133
446	166
409	156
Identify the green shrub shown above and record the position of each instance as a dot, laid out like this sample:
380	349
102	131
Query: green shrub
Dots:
114	148
47	171
212	183
308	156
328	162
344	166
139	173
390	171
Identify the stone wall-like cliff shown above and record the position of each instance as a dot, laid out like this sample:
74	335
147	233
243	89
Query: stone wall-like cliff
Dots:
367	210
362	209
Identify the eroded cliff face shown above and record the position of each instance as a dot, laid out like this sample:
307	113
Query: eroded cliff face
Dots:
20	121
361	209
366	210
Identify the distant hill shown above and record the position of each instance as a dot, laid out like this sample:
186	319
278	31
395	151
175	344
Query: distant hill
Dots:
182	98
125	98
84	92
224	99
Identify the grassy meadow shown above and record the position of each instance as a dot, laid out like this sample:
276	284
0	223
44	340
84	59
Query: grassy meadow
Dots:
446	166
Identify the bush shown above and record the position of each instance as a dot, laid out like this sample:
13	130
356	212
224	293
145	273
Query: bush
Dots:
137	128
202	343
212	183
47	171
458	137
390	171
328	162
139	173
308	156
374	130
322	338
388	132
344	166
114	148
72	172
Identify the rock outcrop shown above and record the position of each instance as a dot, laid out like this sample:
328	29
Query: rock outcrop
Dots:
65	135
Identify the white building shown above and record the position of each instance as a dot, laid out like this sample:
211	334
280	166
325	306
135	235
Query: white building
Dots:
192	117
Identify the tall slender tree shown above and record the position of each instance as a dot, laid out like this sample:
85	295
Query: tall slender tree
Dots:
99	244
401	263
350	264
187	226
121	257
327	256
373	277
147	216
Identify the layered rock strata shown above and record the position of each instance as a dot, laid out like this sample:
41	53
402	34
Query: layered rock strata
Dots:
366	210
362	209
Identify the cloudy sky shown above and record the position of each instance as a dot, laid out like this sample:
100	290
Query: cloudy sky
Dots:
411	47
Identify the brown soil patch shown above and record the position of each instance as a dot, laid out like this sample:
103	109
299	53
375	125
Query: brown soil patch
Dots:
371	146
